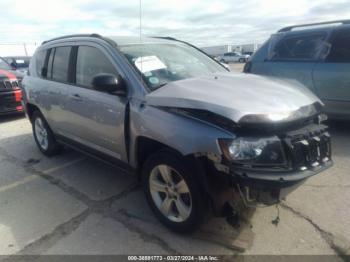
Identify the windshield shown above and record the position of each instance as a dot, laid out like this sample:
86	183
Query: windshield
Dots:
164	63
4	65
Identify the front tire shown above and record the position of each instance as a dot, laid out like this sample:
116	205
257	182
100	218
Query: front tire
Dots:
172	192
43	135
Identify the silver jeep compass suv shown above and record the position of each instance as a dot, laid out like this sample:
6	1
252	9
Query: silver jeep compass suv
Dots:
166	111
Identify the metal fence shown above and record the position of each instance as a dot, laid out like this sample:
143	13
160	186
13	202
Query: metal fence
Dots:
18	49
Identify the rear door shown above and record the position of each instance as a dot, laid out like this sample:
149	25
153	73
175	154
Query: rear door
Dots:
54	96
96	118
332	78
292	56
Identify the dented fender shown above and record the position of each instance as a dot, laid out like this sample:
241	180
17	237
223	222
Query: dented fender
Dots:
186	135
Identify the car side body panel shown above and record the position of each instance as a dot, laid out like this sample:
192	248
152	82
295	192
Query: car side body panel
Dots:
184	134
332	85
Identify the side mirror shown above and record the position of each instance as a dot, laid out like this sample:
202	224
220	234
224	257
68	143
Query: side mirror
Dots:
109	83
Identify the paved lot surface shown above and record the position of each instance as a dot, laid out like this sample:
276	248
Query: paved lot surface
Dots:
72	204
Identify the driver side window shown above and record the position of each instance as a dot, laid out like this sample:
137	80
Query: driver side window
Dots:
90	62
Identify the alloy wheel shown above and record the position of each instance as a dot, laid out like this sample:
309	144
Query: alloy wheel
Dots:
170	193
41	133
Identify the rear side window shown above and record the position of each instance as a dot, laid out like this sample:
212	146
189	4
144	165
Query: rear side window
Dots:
90	62
301	47
60	64
40	62
340	50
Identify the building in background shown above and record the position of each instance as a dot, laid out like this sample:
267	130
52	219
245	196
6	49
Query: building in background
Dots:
217	50
222	49
18	49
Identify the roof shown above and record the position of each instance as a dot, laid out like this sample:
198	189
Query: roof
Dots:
317	25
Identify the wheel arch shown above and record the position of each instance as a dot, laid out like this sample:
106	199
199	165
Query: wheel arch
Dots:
30	109
145	147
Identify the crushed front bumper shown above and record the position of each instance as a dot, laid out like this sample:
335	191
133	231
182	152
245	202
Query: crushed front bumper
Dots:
308	152
269	188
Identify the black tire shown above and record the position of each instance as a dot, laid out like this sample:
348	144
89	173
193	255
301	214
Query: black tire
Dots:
52	148
179	164
241	60
223	61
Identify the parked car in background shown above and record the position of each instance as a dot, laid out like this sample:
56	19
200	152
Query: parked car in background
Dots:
193	132
10	92
233	57
19	63
317	56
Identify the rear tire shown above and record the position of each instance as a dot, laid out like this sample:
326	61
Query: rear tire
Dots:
43	135
172	192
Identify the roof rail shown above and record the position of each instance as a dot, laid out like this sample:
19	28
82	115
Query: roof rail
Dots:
70	36
289	28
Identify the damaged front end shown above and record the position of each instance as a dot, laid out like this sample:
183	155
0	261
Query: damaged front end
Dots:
267	156
274	139
267	161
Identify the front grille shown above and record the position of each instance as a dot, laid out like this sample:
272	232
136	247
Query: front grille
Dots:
308	147
9	84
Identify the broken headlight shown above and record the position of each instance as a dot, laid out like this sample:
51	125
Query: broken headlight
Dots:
253	151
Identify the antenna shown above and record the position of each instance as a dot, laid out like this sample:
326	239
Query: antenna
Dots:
140	17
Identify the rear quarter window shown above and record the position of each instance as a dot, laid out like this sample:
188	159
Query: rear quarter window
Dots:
40	61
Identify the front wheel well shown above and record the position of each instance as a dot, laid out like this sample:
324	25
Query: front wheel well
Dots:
145	147
31	109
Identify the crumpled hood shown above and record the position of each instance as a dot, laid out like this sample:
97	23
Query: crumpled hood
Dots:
234	95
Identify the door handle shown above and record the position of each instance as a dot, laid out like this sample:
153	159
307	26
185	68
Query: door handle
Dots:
77	97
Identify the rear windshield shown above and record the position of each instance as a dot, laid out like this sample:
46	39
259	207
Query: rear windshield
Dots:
161	63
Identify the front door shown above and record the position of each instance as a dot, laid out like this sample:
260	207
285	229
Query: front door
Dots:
96	118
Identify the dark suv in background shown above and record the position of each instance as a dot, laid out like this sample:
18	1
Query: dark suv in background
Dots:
316	55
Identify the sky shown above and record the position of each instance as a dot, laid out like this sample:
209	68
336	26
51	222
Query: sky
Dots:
201	22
